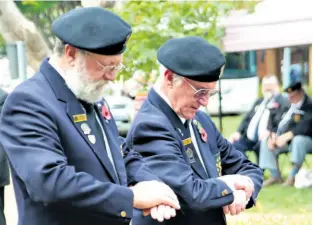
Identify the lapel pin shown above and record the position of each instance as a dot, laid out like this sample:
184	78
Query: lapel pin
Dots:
79	118
181	133
92	138
85	128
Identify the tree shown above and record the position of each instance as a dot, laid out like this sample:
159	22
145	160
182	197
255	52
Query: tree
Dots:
153	23
14	27
30	21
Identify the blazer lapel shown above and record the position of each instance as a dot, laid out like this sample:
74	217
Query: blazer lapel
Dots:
74	110
206	153
115	148
159	102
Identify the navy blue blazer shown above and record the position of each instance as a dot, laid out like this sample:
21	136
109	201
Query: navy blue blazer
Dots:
156	135
59	176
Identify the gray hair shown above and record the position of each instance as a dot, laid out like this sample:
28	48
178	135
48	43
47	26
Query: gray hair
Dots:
59	48
177	80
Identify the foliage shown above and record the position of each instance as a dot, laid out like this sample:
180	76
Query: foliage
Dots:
43	13
154	22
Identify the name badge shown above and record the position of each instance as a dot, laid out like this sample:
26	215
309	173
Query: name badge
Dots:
187	141
79	118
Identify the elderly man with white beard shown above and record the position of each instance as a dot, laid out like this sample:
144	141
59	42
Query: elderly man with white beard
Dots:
68	164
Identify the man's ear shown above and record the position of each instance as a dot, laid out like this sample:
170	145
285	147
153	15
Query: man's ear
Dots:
168	77
70	54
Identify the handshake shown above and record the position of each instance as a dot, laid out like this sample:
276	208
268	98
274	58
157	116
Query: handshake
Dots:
155	198
242	187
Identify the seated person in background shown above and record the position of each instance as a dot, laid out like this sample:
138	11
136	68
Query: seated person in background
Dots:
255	125
294	132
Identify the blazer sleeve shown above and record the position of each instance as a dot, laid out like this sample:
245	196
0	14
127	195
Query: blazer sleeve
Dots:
136	167
155	141
234	162
304	126
31	140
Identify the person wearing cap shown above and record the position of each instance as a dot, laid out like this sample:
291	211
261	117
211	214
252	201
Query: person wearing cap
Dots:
262	119
68	164
182	145
294	133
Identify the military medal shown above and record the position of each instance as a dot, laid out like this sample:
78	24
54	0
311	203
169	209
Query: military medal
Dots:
92	138
85	128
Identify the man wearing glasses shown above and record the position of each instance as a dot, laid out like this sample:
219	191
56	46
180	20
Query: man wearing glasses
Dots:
69	166
182	145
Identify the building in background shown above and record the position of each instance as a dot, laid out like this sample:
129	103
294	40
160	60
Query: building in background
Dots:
280	32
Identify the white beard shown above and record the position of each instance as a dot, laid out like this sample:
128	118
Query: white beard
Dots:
79	82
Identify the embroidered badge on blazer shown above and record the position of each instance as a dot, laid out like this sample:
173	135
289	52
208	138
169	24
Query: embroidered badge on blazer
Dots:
190	155
297	118
218	164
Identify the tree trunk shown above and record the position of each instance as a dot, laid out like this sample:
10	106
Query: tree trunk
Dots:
15	27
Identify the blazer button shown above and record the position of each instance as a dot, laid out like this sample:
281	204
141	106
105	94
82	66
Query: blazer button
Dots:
123	214
225	192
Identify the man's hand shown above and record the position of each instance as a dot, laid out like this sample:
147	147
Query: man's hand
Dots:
265	134
234	137
238	205
148	194
283	139
160	212
239	182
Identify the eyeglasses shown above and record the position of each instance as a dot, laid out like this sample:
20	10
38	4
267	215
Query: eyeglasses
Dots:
118	67
203	92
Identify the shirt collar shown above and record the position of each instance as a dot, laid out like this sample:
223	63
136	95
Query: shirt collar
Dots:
299	104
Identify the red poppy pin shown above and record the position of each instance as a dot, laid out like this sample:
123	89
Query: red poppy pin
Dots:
106	112
201	130
275	105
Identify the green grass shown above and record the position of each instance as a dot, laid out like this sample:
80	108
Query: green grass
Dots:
275	204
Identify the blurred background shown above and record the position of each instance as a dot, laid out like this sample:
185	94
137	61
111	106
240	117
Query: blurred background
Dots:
257	37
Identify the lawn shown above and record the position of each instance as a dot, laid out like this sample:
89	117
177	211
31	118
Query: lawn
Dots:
276	204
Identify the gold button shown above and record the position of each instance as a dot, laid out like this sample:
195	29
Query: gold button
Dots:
225	192
123	214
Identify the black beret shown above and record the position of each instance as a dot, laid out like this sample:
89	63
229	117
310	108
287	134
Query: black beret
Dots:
192	57
93	29
293	86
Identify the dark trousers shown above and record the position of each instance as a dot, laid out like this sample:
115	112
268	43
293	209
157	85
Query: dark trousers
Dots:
2	217
244	144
